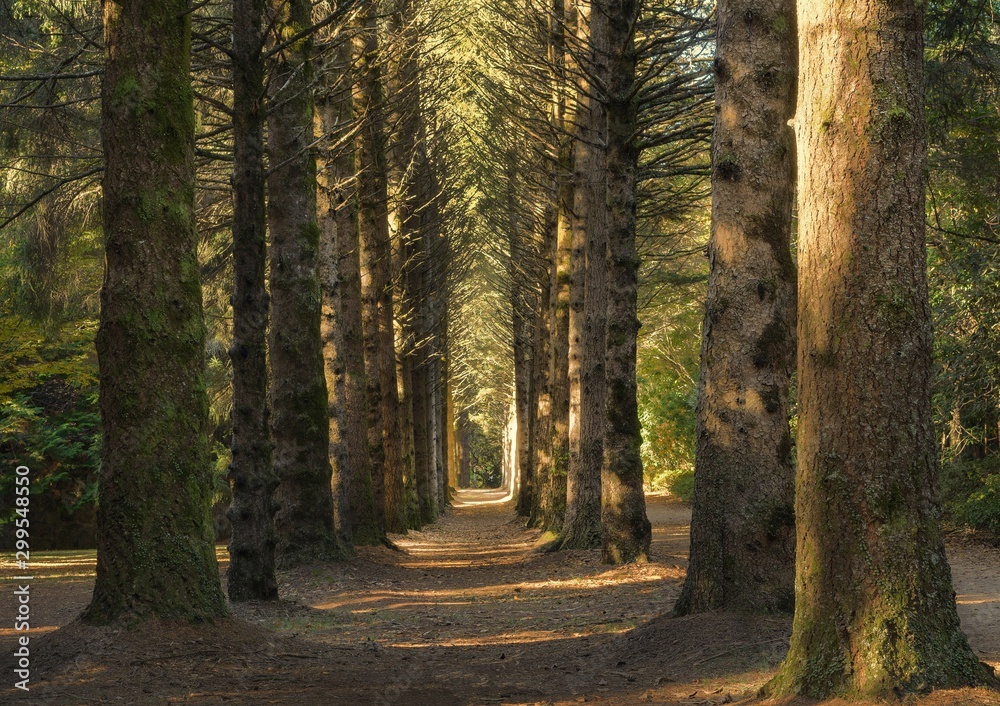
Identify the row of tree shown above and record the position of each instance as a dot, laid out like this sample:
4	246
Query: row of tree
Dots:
840	86
860	506
579	143
596	115
317	117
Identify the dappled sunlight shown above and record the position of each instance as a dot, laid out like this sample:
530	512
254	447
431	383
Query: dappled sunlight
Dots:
35	630
470	497
978	599
506	591
523	637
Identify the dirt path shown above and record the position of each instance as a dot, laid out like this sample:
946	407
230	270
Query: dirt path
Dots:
473	579
466	612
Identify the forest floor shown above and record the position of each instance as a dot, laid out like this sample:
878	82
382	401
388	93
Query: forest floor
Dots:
465	612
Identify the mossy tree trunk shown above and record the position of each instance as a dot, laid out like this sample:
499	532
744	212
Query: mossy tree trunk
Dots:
156	554
251	475
304	521
627	532
742	528
874	603
588	307
376	283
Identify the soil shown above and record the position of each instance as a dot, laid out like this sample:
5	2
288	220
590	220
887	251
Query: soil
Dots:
465	612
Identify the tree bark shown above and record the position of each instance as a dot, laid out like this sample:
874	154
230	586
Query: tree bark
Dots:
156	554
588	306
543	377
522	320
559	307
251	475
376	263
410	177
627	532
874	603
363	515
447	475
304	521
424	425
742	524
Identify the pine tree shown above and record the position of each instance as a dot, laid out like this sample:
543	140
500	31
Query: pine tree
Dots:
156	554
251	511
304	520
627	532
742	530
874	604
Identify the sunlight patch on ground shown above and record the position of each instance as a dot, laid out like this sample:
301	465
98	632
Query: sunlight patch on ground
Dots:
525	637
35	630
977	599
413	604
507	590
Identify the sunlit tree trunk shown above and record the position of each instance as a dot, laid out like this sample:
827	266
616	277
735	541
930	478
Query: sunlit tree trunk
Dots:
742	526
588	308
409	176
543	375
155	554
332	333
874	603
559	391
376	262
522	408
522	320
251	475
361	516
626	530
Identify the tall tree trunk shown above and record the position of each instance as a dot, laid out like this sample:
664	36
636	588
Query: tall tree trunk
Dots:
874	604
300	425
627	531
447	475
155	554
251	511
332	118
742	525
563	115
333	337
376	261
423	429
363	518
409	175
543	376
423	423
522	319
588	308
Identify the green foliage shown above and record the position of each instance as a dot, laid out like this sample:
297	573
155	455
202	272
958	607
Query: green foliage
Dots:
485	458
963	215
668	359
55	432
971	492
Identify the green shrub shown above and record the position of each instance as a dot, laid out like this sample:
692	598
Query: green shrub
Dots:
58	438
971	492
